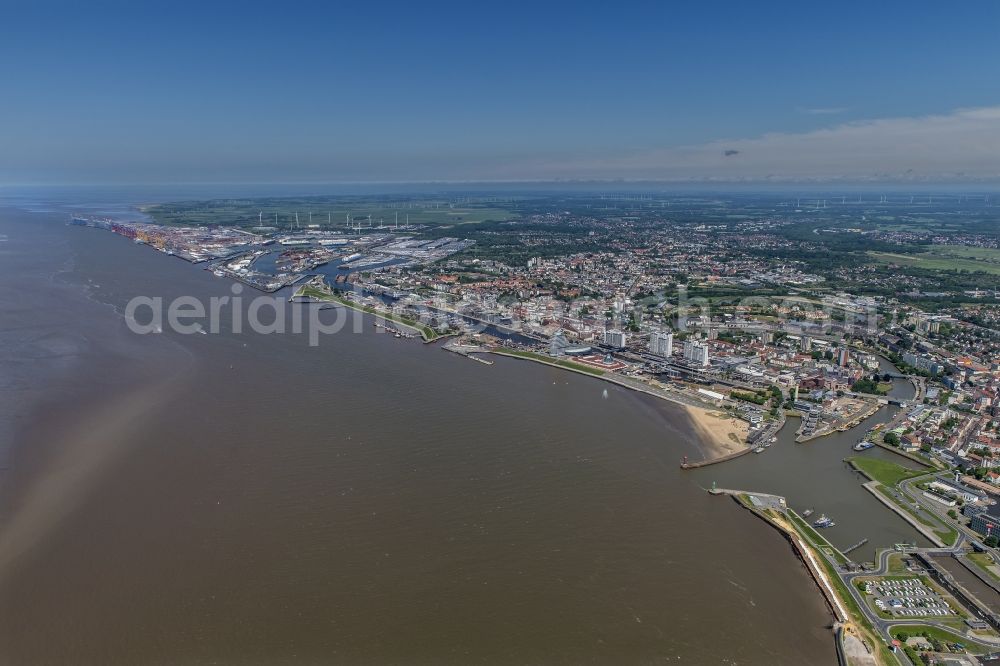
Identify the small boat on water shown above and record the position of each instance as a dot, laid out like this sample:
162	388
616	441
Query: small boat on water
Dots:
807	513
759	449
863	446
773	440
823	521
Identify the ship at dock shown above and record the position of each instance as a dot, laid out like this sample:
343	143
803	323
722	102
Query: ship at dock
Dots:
823	521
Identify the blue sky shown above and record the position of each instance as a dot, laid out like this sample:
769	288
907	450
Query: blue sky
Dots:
330	92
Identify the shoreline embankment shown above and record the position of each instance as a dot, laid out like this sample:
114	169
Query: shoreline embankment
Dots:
716	438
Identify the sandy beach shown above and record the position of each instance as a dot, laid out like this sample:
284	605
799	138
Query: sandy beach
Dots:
720	434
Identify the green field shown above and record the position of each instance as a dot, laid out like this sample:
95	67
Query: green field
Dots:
946	258
888	474
815	537
896	567
885	472
554	361
938	633
946	533
328	212
984	562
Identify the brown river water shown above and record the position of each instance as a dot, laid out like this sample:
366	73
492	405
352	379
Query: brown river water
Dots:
250	499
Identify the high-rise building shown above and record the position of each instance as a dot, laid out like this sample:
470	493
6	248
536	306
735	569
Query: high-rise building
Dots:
806	343
615	338
662	344
696	353
843	356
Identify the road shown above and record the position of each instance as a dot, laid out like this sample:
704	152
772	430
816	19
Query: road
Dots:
883	625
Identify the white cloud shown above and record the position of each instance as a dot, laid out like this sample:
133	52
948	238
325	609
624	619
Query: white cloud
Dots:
958	146
824	111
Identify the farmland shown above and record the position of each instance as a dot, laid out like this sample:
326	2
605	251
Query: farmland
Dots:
946	258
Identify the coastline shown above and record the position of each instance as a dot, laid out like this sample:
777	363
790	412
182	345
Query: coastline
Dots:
317	296
727	434
707	423
721	437
856	640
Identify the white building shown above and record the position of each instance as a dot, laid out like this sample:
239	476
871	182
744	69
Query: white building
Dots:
615	338
662	344
696	352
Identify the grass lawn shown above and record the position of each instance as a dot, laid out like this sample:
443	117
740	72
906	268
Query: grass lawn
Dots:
885	472
555	361
313	292
984	562
938	633
896	566
815	537
987	255
946	533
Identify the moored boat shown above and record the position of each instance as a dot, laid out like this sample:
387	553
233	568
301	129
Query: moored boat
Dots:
823	521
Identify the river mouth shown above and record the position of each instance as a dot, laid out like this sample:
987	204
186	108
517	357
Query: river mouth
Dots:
371	500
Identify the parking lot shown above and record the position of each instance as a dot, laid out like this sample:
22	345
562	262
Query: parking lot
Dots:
907	598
